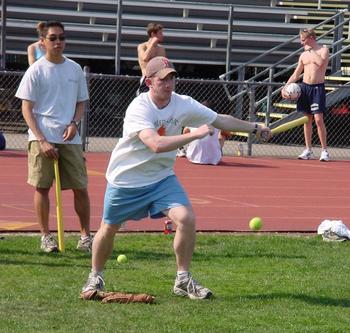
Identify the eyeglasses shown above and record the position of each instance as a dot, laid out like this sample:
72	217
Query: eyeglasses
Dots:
53	38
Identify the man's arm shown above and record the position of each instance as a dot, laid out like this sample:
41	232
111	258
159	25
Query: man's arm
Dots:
294	77
79	111
228	123
27	111
322	58
297	72
72	129
46	147
31	54
162	144
147	51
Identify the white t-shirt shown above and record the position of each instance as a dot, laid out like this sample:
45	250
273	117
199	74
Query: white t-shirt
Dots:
55	89
206	150
132	163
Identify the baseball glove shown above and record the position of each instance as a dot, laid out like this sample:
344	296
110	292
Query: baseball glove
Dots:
116	297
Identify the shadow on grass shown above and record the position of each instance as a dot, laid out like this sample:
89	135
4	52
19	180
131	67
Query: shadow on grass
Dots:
205	257
143	255
71	257
71	253
55	259
43	263
315	300
200	256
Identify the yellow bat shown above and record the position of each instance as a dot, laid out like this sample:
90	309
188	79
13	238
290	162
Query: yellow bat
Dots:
60	228
288	122
294	119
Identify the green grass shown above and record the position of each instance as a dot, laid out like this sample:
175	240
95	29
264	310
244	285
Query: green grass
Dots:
262	283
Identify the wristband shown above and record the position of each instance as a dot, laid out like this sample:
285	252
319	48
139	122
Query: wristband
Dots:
75	123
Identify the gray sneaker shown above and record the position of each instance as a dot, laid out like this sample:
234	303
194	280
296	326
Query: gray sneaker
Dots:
191	288
48	244
85	244
94	282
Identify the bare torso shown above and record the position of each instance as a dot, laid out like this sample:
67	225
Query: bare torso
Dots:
314	73
154	51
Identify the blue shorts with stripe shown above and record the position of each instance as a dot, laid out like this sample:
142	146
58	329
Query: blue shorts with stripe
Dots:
312	99
122	204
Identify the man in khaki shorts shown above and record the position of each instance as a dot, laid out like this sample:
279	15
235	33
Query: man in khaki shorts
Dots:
53	91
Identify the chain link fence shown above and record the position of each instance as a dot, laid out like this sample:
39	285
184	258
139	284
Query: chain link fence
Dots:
110	96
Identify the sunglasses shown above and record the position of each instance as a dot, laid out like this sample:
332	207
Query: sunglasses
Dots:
53	38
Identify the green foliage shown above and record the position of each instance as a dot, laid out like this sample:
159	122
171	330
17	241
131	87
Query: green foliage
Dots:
262	283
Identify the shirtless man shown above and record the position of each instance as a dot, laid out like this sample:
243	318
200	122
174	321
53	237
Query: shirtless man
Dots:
150	49
313	62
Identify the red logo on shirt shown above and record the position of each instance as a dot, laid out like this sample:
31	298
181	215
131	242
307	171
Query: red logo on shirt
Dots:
161	131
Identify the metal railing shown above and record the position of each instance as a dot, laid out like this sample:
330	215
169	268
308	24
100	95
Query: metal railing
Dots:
339	22
272	73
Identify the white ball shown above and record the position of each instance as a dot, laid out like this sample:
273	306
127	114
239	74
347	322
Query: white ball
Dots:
293	90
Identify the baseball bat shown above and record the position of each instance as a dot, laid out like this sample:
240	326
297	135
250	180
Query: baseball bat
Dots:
293	120
288	122
60	229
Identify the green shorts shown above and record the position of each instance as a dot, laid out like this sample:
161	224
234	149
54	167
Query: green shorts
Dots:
71	164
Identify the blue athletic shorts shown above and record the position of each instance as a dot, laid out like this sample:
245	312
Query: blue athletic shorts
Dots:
312	99
122	204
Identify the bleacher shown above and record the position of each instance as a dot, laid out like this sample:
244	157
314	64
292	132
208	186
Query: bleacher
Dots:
195	32
318	11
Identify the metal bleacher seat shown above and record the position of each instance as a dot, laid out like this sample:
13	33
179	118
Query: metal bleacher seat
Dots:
324	4
318	11
192	29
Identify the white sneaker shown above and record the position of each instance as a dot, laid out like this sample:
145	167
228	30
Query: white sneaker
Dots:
324	156
307	154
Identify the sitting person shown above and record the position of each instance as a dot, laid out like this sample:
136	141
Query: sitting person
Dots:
207	150
2	142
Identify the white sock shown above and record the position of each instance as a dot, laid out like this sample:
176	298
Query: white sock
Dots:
46	235
98	273
182	274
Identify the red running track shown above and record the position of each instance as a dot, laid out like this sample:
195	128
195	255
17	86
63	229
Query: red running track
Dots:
289	195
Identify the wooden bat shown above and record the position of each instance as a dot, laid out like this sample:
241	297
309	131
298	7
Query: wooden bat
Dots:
60	228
